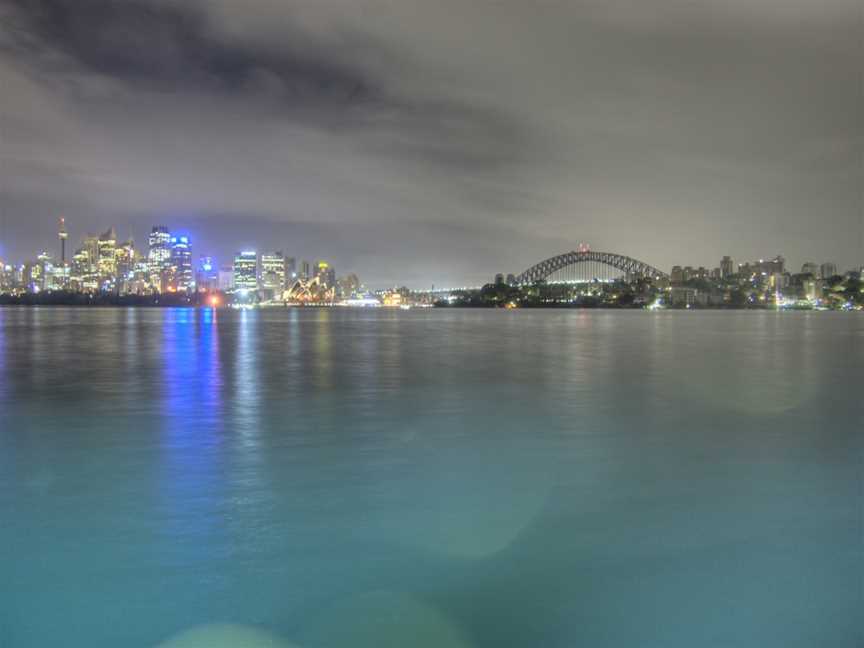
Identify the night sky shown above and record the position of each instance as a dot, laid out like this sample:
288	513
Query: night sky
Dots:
419	141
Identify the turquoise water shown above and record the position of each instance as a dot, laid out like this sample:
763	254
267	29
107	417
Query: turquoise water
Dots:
336	478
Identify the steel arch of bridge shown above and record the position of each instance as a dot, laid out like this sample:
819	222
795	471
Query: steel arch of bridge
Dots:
626	264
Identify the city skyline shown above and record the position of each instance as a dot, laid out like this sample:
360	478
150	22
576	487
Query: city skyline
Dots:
671	133
697	269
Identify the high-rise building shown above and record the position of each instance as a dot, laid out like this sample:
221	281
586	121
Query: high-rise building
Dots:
777	265
305	271
273	272
246	270
159	254
226	278
348	286
290	270
828	270
326	274
677	275
124	257
107	248
206	275
811	269
182	277
727	267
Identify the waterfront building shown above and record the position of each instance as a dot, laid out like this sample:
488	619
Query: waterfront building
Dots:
273	272
348	286
326	274
182	278
777	265
206	275
125	258
226	278
246	270
159	256
107	263
812	289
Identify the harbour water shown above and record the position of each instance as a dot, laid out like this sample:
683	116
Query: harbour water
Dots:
443	478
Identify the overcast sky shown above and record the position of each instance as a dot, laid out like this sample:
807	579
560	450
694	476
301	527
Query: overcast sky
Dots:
421	141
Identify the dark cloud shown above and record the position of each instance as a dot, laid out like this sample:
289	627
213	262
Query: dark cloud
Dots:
169	48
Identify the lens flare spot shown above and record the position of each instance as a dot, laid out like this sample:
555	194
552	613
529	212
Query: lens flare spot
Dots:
225	635
382	619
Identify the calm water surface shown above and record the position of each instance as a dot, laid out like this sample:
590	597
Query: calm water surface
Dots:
440	478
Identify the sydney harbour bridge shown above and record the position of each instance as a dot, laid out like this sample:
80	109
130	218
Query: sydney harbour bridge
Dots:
584	264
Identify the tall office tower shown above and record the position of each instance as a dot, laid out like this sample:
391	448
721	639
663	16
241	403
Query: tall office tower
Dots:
246	270
677	275
273	272
305	270
811	269
107	255
159	255
206	276
290	269
226	278
828	270
182	279
124	256
326	274
63	235
727	267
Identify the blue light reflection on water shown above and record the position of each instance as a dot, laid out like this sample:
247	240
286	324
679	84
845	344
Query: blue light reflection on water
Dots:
191	432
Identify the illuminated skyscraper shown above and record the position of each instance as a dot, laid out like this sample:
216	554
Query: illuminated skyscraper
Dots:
182	278
107	249
273	272
727	267
246	270
159	254
206	276
326	274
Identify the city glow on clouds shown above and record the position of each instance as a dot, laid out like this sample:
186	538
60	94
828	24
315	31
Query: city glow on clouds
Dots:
437	141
